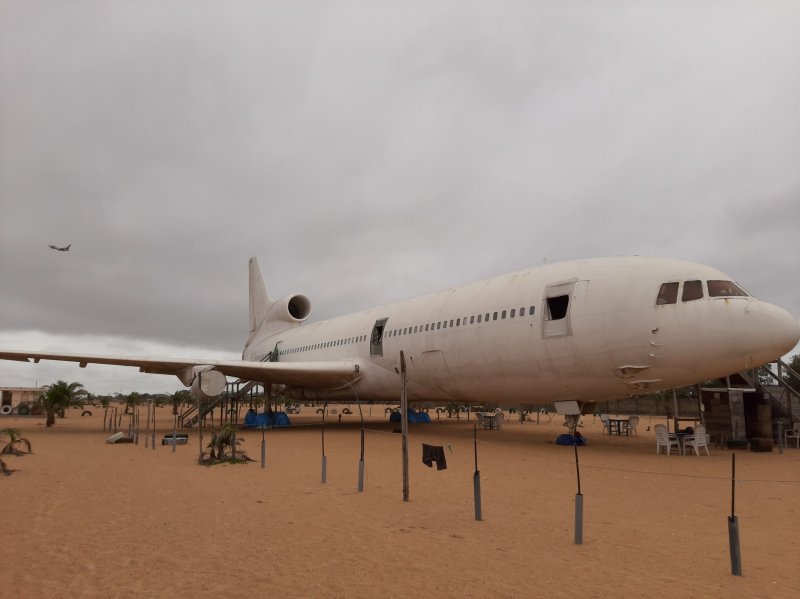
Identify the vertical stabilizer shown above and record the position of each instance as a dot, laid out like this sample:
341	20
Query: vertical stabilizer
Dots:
259	299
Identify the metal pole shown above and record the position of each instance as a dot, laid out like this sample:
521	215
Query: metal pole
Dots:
360	463
263	446
733	526
404	424
147	430
675	425
476	478
153	443
578	503
324	457
199	425
174	432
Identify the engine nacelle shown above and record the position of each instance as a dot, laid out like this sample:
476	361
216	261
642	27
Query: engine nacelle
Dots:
207	382
293	308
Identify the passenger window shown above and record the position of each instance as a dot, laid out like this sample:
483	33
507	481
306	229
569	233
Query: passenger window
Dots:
486	317
503	315
725	289
451	324
444	324
494	316
512	312
692	290
458	322
522	311
438	325
530	312
668	294
479	318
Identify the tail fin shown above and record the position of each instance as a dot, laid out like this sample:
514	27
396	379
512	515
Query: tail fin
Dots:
260	301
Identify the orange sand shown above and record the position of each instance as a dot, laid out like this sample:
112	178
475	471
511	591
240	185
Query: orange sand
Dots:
84	518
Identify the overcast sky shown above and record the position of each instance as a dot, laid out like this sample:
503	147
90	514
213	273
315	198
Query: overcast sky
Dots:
371	151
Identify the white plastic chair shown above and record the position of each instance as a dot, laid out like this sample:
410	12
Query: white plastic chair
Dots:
696	440
793	433
630	426
665	440
498	420
606	423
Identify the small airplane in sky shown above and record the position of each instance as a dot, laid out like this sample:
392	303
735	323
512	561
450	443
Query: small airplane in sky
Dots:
64	249
585	330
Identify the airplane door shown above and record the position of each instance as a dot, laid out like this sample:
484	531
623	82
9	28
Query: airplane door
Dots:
376	338
556	309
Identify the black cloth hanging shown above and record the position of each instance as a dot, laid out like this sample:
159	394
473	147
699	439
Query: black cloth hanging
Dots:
433	453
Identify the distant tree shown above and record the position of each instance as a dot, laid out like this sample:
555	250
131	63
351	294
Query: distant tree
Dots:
181	398
60	396
133	400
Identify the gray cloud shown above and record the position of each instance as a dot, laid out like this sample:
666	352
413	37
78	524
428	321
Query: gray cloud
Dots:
370	152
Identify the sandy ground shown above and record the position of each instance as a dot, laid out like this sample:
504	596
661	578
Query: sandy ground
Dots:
84	518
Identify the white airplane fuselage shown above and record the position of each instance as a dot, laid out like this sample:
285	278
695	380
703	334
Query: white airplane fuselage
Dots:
587	330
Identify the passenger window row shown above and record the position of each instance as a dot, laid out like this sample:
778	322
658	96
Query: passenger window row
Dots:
693	290
433	326
462	322
336	343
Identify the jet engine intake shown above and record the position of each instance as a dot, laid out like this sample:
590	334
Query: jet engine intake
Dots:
292	308
207	382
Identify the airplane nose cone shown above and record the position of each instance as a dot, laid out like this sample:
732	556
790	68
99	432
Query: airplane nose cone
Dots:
771	331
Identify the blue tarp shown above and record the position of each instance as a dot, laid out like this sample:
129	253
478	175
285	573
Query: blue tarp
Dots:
262	420
413	417
567	439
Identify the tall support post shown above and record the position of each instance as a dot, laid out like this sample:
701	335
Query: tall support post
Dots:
199	421
360	462
476	478
324	457
701	409
136	426
263	446
153	439
676	423
174	432
404	424
147	430
578	503
733	525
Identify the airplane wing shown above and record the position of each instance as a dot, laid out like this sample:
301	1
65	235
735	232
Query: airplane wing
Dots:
321	375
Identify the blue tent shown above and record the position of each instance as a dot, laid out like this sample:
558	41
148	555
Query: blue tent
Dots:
263	420
413	417
567	439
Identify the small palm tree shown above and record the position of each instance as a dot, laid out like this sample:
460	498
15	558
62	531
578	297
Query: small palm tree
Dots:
223	444
60	396
14	439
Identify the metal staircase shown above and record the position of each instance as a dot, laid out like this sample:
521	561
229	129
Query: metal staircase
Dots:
190	418
784	398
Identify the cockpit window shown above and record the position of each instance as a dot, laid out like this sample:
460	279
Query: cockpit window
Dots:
668	294
725	289
692	290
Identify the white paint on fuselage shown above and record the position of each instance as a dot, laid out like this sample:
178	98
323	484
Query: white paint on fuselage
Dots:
614	322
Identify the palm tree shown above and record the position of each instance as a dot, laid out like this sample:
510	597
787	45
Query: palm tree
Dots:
58	397
14	438
181	398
